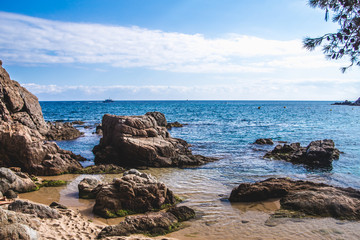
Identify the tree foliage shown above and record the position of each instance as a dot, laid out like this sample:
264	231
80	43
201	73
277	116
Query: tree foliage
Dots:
346	41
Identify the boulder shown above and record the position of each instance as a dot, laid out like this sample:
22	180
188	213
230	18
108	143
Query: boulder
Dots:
16	181
158	223
62	131
23	132
133	193
264	141
136	141
38	210
89	188
16	226
311	198
10	194
23	147
318	153
182	213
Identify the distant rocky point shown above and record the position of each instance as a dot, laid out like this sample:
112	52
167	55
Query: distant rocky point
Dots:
346	102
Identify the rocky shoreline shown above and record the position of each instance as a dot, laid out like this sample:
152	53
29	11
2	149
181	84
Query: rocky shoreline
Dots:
28	150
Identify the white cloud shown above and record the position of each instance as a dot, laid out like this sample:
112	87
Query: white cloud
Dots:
29	40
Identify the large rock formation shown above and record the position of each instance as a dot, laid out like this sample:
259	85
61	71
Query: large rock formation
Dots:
134	141
23	132
158	223
16	181
319	153
135	192
307	197
62	131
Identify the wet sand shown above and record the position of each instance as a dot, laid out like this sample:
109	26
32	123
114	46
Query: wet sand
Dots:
216	218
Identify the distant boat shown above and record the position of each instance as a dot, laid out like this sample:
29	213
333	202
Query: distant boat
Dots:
109	100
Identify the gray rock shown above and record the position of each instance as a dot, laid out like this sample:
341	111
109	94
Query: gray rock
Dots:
264	141
16	181
89	188
39	210
16	226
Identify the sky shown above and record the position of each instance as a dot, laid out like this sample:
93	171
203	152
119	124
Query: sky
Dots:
170	50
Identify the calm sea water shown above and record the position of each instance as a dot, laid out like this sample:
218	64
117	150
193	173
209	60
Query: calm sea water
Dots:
227	129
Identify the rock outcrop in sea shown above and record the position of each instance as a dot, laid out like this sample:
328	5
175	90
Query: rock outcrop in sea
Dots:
23	134
135	192
346	102
134	141
310	198
318	153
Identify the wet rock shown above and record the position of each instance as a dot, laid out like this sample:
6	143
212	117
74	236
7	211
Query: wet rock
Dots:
10	194
89	188
78	122
158	223
133	193
16	181
182	213
264	141
16	226
38	210
101	169
307	197
174	124
62	131
318	153
134	141
57	205
99	130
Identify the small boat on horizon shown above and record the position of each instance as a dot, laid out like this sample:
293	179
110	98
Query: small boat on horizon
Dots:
109	100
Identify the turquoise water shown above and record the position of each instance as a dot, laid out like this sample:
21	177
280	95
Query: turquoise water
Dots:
227	129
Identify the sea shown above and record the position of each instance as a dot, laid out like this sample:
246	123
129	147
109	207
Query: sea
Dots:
226	130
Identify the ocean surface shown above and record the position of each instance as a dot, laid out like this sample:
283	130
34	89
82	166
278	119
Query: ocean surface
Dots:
227	130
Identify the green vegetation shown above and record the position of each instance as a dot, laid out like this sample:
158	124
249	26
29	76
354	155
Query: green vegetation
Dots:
53	183
346	41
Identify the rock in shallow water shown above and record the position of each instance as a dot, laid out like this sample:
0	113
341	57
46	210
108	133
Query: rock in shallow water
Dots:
264	141
89	188
158	223
134	141
133	193
318	153
308	197
16	181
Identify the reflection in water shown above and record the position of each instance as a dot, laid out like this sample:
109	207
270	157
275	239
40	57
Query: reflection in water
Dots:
216	217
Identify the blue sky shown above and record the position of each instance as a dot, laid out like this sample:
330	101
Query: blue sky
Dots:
170	50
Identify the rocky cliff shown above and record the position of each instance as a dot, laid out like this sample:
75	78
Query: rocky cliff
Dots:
23	133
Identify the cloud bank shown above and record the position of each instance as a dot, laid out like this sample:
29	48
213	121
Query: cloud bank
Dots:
29	40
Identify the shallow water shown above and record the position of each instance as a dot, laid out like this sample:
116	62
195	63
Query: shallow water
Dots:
227	130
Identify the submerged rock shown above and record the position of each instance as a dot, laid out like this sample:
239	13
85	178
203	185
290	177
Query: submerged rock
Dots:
39	210
23	132
174	124
135	192
62	131
16	181
318	153
311	198
264	141
158	223
134	141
